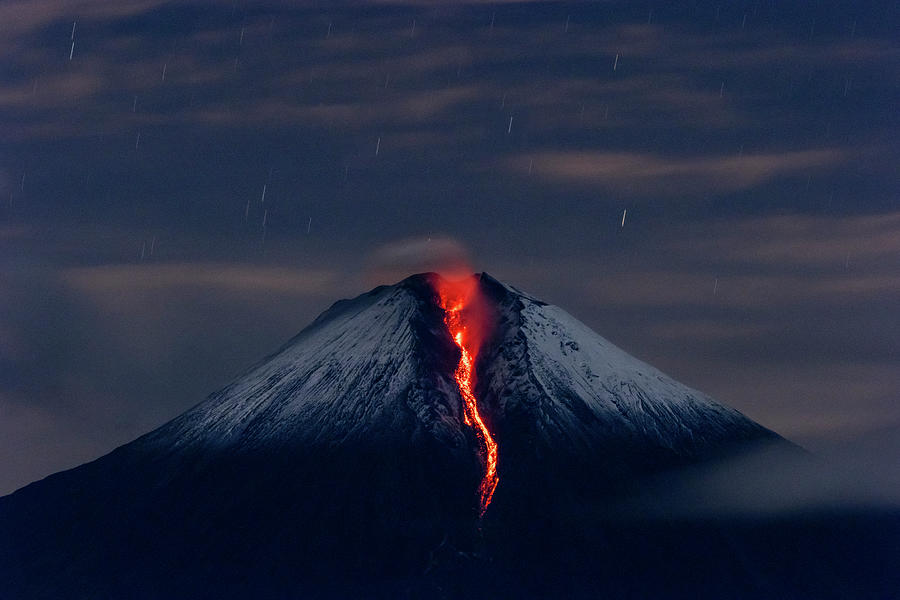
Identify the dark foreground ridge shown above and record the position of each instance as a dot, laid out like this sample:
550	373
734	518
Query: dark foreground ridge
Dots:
340	467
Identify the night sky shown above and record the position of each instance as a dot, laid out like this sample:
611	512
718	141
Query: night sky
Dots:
184	186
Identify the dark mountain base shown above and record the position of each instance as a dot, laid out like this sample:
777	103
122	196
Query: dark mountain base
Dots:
241	529
836	557
824	556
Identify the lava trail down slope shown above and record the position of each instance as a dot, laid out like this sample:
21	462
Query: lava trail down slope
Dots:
466	324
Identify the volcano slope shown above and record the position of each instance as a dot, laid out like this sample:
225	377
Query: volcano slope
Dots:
346	464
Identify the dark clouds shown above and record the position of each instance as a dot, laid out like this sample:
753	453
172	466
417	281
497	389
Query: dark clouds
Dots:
753	147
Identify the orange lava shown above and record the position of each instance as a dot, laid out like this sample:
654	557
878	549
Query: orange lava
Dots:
455	298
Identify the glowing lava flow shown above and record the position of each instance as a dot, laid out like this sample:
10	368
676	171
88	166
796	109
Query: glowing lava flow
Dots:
453	305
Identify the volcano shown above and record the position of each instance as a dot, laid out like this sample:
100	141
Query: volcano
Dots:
429	438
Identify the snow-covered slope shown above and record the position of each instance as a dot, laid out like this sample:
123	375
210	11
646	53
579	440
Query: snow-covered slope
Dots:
574	389
370	368
380	367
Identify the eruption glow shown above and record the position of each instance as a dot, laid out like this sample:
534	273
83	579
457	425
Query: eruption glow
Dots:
456	297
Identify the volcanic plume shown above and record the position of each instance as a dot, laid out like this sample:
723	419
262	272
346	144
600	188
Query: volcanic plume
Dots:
360	459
